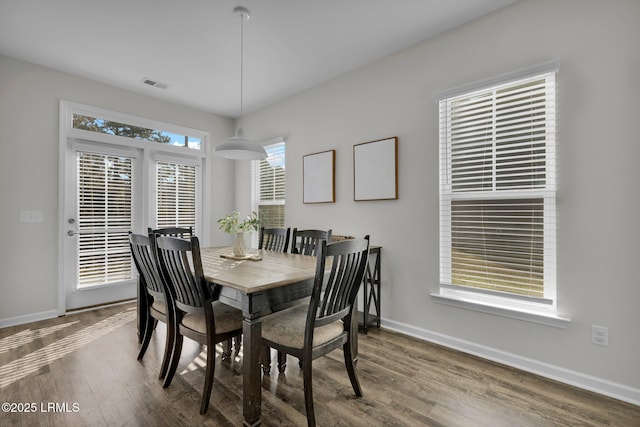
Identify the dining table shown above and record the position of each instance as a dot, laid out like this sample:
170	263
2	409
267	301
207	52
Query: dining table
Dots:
258	284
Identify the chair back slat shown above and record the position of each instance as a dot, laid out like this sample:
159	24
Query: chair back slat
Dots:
274	239
306	242
182	232
181	268
142	253
333	296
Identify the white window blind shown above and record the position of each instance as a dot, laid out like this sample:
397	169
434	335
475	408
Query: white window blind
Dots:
104	219
268	177
176	194
497	190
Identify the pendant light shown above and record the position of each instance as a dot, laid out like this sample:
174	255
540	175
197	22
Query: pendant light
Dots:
238	147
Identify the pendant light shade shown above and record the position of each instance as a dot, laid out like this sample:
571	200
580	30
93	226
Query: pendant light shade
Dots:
238	147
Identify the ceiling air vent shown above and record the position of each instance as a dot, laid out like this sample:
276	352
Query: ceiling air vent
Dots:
154	83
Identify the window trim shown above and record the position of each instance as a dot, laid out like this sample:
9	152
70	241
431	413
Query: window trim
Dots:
533	316
536	310
501	79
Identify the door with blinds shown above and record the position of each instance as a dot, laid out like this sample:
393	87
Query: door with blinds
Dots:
100	200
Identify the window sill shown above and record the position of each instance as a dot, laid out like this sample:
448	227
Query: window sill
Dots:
547	319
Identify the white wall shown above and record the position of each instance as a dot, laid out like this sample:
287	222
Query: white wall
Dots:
29	97
596	44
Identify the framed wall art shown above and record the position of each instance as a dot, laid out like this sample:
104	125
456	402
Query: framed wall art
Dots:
318	177
375	170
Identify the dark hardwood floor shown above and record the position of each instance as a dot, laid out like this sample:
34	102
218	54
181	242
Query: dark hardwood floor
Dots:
81	370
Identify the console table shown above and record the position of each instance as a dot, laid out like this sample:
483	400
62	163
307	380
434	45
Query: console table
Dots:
370	314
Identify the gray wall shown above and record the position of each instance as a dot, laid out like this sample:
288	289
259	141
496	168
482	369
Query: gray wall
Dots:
596	44
29	105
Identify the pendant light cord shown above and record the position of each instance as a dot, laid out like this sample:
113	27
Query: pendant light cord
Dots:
241	65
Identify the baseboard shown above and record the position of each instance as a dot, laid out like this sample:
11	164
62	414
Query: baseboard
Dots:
567	376
44	315
28	318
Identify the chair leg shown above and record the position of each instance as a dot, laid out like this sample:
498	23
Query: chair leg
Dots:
238	343
168	350
266	359
308	392
226	349
351	369
175	358
147	332
282	361
208	379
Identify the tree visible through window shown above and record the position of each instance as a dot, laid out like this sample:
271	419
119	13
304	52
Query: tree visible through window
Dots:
110	127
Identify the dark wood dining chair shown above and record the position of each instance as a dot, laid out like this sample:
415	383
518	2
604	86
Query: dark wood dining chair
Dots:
154	301
274	239
305	242
186	233
198	315
308	331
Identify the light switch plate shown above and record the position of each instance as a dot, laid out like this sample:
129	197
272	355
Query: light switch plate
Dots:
31	216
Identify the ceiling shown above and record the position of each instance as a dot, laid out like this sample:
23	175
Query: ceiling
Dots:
193	46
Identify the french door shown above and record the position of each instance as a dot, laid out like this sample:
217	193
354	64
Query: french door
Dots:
121	173
102	193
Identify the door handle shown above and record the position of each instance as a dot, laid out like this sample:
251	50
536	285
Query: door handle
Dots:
72	233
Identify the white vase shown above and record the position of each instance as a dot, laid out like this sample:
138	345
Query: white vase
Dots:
238	245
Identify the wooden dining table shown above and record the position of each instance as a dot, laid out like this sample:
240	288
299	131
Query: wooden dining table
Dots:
257	287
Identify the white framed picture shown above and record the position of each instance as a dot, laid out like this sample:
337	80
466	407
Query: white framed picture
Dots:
375	170
318	176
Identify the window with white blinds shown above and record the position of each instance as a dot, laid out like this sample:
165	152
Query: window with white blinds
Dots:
105	216
176	194
268	186
497	191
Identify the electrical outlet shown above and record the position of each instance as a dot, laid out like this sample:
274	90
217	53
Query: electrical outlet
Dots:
30	216
600	335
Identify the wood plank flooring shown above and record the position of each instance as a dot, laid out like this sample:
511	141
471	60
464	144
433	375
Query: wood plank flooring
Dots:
81	370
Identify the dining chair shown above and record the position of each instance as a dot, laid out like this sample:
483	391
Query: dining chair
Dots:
154	301
274	239
305	242
186	233
308	331
198	315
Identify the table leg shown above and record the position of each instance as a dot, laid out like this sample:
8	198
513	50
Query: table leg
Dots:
252	384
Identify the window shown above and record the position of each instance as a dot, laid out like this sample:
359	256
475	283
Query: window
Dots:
268	186
110	127
176	195
497	194
105	216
